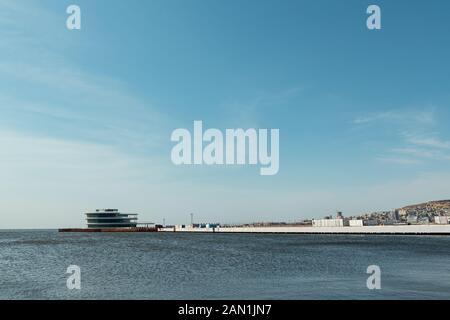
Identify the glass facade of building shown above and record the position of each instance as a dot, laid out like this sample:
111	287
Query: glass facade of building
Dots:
110	218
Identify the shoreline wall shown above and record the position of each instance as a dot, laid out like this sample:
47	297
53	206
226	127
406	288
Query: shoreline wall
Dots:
400	229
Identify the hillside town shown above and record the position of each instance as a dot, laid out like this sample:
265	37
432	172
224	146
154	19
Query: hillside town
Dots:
432	212
437	212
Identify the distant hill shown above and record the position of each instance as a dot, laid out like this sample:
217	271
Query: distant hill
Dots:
439	207
431	204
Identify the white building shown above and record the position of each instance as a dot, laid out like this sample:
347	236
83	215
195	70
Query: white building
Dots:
330	222
356	223
362	223
441	220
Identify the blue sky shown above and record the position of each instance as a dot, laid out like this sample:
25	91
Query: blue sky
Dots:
87	115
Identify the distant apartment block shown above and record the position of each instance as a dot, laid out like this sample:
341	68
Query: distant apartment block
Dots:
441	220
330	222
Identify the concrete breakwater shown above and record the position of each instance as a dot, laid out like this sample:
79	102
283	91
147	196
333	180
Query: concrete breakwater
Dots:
395	229
111	230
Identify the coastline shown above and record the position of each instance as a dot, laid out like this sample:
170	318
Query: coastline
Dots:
371	230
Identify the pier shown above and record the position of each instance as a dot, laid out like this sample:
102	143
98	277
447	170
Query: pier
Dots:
122	230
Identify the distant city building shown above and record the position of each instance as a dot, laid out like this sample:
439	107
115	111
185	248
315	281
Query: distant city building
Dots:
356	223
412	218
371	222
424	220
111	218
395	215
441	220
362	223
389	222
330	222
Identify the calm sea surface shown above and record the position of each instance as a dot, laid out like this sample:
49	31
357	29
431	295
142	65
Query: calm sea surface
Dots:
33	265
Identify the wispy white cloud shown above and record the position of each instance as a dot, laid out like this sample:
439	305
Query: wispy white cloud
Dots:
398	160
47	87
416	153
415	131
404	117
431	142
248	112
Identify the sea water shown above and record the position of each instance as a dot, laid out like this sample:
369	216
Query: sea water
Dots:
33	265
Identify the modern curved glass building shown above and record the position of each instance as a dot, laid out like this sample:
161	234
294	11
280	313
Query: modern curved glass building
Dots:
110	218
